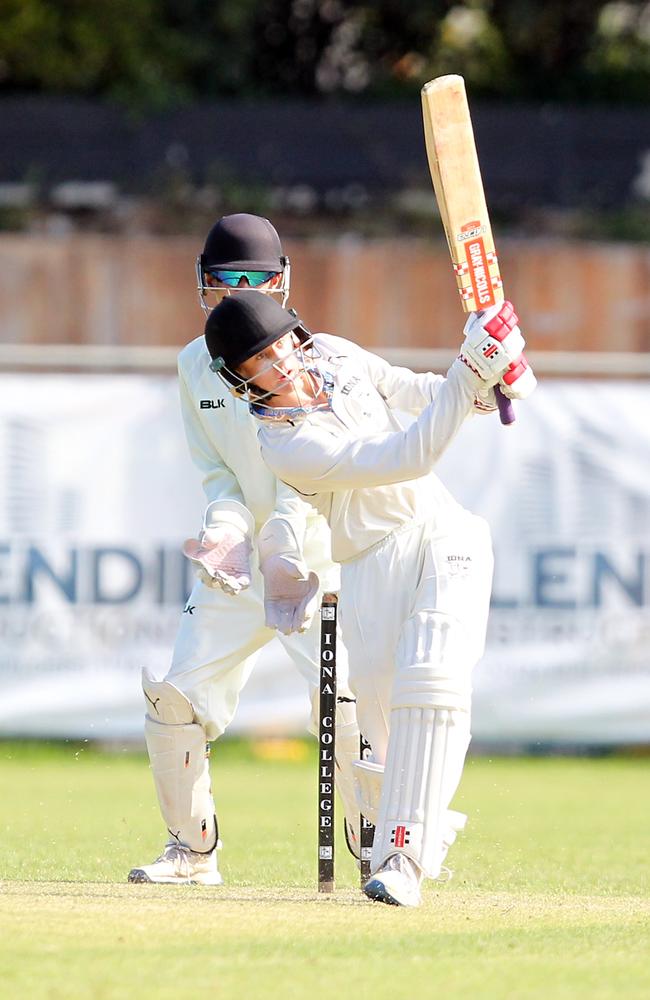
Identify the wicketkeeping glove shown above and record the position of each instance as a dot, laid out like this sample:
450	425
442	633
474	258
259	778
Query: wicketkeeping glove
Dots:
290	599
221	557
493	342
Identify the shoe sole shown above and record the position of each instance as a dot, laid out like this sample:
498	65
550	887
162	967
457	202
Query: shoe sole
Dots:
138	876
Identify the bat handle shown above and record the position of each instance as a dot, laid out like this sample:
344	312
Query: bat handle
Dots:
506	409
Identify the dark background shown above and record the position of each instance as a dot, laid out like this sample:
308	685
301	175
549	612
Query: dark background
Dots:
309	110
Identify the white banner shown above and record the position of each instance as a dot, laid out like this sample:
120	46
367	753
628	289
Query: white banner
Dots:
98	493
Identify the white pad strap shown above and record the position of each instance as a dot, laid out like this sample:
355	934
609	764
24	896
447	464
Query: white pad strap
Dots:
456	823
179	761
426	753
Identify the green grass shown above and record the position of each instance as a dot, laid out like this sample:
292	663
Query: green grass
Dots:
551	896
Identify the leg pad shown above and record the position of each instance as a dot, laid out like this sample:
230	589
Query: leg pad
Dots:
426	753
178	752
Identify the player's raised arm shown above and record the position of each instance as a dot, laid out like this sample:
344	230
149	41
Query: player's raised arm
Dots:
315	460
271	364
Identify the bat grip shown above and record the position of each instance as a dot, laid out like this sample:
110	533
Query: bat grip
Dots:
506	409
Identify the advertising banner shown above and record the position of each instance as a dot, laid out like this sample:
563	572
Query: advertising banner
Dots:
98	493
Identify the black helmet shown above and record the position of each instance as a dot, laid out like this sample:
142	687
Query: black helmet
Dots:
241	326
243	241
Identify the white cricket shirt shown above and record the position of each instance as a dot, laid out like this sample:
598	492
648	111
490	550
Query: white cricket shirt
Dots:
356	463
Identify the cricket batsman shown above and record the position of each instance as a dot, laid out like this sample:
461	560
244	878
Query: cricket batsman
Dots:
416	567
262	558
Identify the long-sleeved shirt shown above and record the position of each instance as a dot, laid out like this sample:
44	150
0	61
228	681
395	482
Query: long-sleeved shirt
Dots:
355	462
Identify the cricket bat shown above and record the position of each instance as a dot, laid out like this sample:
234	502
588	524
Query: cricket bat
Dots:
456	176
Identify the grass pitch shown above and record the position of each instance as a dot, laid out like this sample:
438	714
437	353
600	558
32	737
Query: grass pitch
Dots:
551	896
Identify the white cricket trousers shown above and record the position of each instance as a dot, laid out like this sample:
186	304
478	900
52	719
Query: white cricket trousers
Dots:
387	595
217	645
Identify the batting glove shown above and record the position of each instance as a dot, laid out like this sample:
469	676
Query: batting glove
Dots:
493	342
519	381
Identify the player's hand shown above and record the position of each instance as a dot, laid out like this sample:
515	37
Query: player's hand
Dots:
221	558
493	341
485	401
519	381
290	595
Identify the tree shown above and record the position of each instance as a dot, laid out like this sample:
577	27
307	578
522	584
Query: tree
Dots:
113	47
150	53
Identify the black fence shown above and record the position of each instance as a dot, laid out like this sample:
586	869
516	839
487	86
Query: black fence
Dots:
531	155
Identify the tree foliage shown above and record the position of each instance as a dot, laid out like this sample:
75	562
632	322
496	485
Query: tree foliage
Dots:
114	47
154	52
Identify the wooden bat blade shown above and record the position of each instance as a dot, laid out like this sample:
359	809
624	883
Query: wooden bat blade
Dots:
456	176
457	182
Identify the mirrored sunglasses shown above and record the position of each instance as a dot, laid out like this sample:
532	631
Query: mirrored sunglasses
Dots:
232	278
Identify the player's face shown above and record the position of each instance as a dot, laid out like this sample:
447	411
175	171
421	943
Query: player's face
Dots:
279	370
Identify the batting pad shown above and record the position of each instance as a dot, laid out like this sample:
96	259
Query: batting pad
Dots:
370	778
426	753
435	657
180	768
347	756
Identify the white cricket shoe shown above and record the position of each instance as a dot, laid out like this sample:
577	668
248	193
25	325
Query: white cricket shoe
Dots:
179	865
397	882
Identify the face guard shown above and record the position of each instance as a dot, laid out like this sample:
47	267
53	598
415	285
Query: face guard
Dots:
294	414
217	293
261	400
